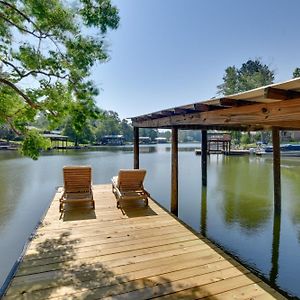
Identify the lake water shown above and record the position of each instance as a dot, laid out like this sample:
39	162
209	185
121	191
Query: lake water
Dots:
235	211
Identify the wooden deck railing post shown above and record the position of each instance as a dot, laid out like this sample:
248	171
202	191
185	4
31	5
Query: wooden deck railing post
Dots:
276	168
174	172
204	157
136	149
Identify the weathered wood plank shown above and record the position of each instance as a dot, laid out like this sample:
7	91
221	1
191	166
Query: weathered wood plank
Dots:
279	94
256	114
127	257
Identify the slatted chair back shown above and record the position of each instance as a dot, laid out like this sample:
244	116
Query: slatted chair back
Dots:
77	179
131	180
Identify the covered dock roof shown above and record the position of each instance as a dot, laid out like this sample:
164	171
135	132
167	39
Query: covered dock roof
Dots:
275	105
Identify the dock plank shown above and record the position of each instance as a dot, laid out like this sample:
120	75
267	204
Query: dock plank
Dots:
135	253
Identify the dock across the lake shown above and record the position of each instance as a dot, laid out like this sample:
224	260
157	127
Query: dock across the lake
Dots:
135	253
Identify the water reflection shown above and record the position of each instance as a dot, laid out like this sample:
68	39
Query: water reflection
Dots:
235	210
275	247
246	193
203	211
11	185
292	178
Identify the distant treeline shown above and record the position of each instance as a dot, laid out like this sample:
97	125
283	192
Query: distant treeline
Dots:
109	123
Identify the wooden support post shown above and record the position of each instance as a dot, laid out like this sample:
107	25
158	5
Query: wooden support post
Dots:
275	246
203	211
276	168
174	172
136	149
204	157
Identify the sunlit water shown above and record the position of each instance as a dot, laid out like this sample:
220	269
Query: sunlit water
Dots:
235	211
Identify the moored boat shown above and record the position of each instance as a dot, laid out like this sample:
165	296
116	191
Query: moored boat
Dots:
285	149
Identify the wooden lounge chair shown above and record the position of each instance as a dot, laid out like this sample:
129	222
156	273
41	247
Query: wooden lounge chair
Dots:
77	186
128	185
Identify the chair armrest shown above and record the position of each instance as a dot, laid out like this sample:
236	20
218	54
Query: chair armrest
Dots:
119	195
114	183
63	194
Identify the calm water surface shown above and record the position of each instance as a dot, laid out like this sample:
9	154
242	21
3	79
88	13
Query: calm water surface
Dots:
235	211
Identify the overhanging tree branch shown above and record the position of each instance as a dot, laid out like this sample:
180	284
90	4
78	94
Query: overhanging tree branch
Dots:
3	17
21	14
13	66
23	95
35	72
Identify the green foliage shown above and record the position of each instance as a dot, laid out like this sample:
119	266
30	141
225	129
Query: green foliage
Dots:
108	125
251	75
236	137
126	130
33	144
104	123
186	136
151	133
296	73
83	136
245	139
7	133
47	50
166	134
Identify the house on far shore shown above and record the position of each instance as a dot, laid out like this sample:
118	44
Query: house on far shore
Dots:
113	140
161	140
145	140
58	141
290	136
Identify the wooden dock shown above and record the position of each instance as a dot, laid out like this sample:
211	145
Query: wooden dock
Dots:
137	253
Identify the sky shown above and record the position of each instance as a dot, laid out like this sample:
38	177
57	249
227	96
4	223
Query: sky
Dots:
168	53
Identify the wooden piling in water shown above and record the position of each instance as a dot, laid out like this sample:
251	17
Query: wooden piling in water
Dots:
204	157
136	149
174	172
276	168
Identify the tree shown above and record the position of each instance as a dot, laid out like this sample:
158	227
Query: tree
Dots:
296	73
166	134
108	125
251	75
230	85
127	130
7	133
47	50
149	132
84	136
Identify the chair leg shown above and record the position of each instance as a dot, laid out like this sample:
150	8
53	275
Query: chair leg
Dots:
118	204
93	204
146	201
60	207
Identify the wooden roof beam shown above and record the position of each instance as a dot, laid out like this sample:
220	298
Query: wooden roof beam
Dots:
161	114
279	94
201	107
180	111
235	103
259	114
166	113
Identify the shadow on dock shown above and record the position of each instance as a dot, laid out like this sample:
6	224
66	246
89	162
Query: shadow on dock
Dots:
112	255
